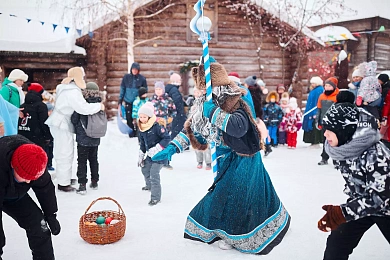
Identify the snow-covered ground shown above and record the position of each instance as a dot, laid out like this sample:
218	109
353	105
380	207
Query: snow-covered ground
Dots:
157	232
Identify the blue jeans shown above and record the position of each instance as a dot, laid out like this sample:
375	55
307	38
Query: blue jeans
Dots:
272	131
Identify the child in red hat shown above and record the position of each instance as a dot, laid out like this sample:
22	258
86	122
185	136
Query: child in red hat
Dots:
23	166
32	125
325	100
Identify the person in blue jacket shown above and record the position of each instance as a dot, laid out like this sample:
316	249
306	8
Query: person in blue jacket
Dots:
9	115
153	138
241	209
311	134
130	85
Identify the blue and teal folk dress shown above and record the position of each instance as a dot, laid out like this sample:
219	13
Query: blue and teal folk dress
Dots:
241	207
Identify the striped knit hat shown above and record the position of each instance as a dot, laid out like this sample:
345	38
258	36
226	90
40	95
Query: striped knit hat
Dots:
29	161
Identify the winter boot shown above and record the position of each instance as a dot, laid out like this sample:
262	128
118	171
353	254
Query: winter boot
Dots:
268	150
93	185
82	190
200	165
153	202
323	162
208	166
67	188
145	188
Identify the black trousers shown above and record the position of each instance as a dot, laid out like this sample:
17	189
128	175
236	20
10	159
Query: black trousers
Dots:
30	217
84	154
346	237
324	155
49	152
129	117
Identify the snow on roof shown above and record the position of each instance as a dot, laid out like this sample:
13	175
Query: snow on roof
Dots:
17	34
334	33
60	46
285	17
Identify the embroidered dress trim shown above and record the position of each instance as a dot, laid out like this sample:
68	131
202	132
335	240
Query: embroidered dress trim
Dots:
220	119
181	141
253	242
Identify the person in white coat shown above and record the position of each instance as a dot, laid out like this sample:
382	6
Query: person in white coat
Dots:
68	100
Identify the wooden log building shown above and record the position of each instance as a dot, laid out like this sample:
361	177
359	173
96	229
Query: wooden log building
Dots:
232	45
370	46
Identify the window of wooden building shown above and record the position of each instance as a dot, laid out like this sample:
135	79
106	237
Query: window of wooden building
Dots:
211	11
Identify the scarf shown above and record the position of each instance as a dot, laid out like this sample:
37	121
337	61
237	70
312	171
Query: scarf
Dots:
145	127
361	140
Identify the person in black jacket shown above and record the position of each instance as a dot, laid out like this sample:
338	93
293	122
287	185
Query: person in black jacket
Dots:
353	142
130	85
87	147
23	166
32	125
172	89
152	139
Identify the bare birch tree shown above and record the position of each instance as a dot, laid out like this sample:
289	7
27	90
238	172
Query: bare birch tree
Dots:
97	13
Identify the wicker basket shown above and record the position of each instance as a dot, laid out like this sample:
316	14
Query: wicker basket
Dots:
96	234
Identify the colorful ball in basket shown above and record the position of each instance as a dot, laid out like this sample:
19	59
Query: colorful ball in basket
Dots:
100	220
108	221
102	233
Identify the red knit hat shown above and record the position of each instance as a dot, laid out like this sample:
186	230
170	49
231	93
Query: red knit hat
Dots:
332	81
234	74
29	161
36	87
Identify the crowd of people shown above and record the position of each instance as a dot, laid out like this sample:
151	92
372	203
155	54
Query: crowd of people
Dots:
241	209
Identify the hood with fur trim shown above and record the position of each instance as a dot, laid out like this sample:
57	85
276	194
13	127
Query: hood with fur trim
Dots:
272	93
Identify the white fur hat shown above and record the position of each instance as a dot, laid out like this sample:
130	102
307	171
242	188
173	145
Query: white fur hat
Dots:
293	103
317	80
18	74
358	73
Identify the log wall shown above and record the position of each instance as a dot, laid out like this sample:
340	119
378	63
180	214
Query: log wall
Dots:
235	49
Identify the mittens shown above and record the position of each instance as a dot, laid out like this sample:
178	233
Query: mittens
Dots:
141	157
154	150
165	154
53	223
332	219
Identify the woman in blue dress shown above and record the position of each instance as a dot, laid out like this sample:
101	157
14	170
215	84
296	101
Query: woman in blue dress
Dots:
241	208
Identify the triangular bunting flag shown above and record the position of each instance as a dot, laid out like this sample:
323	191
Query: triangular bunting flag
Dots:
78	31
67	29
28	20
42	23
54	27
381	29
90	34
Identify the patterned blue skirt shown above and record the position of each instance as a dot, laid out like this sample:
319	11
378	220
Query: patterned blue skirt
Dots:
241	207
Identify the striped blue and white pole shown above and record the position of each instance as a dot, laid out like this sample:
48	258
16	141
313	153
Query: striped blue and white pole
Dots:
199	26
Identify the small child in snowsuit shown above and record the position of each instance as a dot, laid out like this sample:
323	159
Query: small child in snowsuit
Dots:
272	117
87	147
282	134
369	92
164	106
292	122
353	142
138	102
153	138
